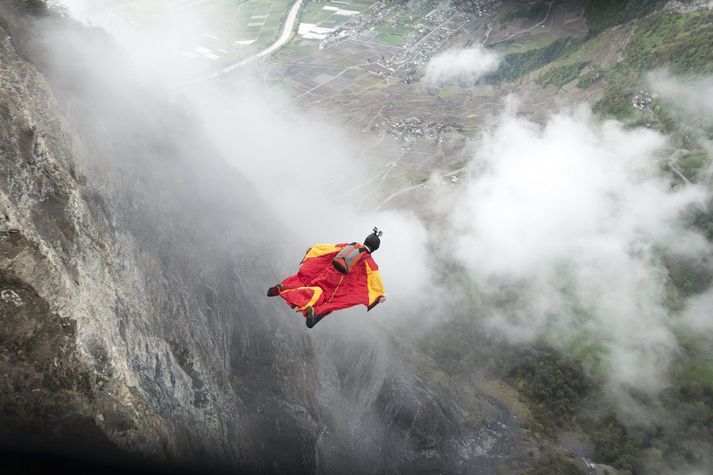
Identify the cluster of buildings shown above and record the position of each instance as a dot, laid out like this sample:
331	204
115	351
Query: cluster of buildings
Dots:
642	100
424	35
429	35
478	7
412	128
394	12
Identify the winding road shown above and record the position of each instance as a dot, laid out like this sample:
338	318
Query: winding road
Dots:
281	41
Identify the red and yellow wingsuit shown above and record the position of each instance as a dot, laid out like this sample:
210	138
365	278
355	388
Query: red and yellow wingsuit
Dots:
320	285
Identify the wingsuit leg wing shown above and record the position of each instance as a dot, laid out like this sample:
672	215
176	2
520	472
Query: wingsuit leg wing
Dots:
302	297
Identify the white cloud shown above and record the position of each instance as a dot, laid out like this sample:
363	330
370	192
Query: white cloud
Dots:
695	96
698	314
570	219
462	66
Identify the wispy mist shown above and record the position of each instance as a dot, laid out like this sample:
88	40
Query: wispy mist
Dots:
565	225
173	42
305	167
691	103
695	96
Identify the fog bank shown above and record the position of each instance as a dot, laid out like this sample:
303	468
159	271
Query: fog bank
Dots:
567	226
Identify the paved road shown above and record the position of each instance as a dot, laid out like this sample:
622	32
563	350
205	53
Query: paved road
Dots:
414	187
285	36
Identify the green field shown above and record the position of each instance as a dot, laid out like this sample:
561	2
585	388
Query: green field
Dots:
681	42
315	13
561	75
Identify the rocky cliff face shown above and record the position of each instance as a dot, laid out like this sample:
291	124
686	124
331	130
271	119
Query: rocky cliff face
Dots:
129	280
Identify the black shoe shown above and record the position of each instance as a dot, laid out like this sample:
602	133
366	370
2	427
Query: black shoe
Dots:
274	291
311	320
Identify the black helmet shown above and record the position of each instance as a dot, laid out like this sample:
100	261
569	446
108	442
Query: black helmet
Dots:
373	241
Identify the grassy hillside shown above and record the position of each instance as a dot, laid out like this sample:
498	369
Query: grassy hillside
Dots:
516	65
678	41
681	42
603	14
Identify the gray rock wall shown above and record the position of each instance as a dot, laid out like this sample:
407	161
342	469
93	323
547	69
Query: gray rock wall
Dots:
132	277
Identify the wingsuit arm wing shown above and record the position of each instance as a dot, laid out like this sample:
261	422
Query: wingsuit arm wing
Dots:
374	284
319	250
